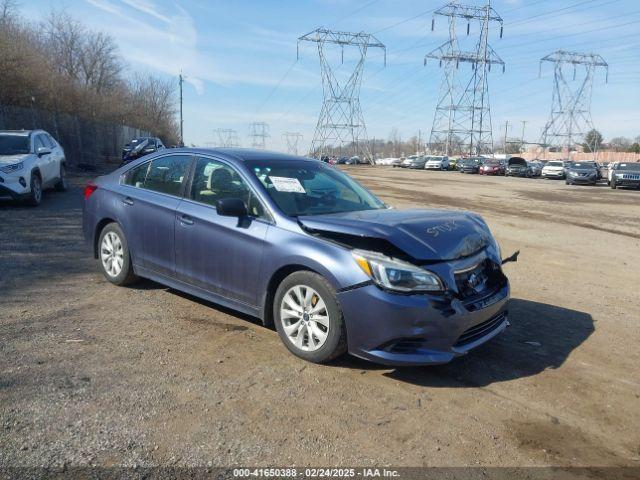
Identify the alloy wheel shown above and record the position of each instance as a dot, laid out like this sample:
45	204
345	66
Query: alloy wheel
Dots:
37	189
305	318
112	254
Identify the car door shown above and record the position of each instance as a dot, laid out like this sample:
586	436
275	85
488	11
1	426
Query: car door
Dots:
149	197
220	254
43	162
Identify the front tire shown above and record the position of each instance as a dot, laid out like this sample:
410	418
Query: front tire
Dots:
613	184
114	256
35	195
308	318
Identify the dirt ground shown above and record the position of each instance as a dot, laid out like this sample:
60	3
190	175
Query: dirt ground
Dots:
93	374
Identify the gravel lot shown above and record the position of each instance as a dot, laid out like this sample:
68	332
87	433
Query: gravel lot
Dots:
93	374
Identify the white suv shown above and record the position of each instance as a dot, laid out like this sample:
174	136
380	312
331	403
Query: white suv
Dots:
437	163
30	161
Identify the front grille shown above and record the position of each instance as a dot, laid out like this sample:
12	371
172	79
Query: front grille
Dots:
478	331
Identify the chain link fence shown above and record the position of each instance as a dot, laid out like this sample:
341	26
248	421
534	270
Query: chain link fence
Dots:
86	143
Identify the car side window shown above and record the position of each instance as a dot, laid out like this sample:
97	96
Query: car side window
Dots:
213	181
49	141
38	142
136	176
165	174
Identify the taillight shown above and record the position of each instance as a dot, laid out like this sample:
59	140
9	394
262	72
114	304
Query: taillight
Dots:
89	189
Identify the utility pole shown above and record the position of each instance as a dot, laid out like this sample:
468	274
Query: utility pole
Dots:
226	137
506	132
292	139
524	122
570	117
464	113
341	122
259	132
181	118
419	146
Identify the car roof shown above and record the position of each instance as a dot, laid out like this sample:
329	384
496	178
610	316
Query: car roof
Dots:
243	154
23	133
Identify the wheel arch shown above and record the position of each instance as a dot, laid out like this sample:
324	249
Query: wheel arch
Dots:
96	233
274	282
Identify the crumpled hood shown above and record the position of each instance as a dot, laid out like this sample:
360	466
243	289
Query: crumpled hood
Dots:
11	159
426	235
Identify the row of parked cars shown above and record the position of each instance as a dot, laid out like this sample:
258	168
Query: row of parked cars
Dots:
617	174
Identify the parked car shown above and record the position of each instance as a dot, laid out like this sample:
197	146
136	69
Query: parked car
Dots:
554	169
406	163
398	162
536	168
30	162
493	167
418	162
583	173
518	167
471	165
386	162
139	147
299	244
437	163
626	174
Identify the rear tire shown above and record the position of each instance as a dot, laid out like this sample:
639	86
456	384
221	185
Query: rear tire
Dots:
114	256
35	195
294	318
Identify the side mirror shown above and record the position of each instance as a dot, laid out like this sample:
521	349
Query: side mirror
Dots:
231	207
43	151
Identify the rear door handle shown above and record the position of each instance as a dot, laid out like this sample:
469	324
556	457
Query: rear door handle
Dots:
127	201
186	220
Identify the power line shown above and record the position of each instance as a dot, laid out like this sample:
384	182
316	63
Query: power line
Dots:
273	90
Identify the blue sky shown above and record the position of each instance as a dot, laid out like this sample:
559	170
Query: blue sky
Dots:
239	58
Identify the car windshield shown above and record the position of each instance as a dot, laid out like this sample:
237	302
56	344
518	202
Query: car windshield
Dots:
312	188
629	166
555	164
14	144
582	165
473	161
492	163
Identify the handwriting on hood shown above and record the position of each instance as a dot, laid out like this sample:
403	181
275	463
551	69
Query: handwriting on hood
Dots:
445	227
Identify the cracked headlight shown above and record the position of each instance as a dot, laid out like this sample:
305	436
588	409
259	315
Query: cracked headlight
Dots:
12	168
396	275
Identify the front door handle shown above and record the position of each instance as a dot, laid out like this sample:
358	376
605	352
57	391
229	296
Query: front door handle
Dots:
127	201
186	220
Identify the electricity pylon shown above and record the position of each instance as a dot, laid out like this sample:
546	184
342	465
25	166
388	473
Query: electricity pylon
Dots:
464	115
226	137
259	132
292	139
341	122
570	118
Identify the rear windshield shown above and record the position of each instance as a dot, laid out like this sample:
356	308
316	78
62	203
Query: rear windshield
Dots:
517	161
14	144
555	164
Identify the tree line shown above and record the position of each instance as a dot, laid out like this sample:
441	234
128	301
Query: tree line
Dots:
59	65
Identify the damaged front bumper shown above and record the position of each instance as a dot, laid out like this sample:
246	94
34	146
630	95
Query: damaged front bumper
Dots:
395	329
